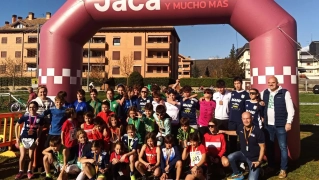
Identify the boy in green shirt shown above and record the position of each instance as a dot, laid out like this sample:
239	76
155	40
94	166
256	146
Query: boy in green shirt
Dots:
148	118
136	121
183	132
114	103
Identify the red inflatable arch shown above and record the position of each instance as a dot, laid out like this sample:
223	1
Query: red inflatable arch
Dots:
269	29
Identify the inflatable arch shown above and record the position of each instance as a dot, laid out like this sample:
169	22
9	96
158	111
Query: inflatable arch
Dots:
270	30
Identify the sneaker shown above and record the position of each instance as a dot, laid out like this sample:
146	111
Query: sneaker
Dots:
30	175
238	176
133	177
19	175
282	174
242	166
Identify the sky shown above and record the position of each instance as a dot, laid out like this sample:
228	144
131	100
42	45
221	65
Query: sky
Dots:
199	41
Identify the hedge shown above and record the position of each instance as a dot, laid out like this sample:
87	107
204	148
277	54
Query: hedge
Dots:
206	82
18	81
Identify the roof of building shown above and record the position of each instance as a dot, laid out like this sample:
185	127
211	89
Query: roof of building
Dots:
212	65
31	26
240	51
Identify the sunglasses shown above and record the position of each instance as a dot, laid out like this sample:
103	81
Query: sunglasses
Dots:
252	93
211	126
144	91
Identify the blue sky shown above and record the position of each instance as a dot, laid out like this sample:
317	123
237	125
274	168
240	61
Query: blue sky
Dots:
200	41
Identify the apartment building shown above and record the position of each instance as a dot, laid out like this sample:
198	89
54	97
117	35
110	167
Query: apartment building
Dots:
243	56
184	66
152	50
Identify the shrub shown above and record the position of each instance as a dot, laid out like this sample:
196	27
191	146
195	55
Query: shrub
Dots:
135	78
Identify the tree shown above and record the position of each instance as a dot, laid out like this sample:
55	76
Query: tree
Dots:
195	71
13	69
231	67
98	72
126	65
232	53
135	78
207	74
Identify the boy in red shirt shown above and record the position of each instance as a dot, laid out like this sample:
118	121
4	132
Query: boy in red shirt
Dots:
69	128
106	113
216	147
101	132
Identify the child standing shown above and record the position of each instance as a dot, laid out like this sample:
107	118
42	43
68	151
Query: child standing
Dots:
114	103
206	111
106	112
189	106
80	104
29	137
183	132
97	162
95	104
152	154
69	128
139	125
88	125
57	115
148	118
163	122
118	164
130	142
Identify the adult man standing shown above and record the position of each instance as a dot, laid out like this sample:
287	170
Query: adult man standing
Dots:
236	109
252	148
279	113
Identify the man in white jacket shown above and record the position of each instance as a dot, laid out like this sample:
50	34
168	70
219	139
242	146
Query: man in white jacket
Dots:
222	98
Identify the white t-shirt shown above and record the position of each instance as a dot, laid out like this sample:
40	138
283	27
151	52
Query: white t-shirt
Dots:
173	111
222	110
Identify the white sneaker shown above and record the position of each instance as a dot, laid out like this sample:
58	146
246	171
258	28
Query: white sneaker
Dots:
242	166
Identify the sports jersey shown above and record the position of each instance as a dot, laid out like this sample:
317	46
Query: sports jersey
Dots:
151	155
170	157
173	111
105	116
114	105
30	126
95	106
164	126
256	112
141	102
195	154
118	157
182	135
69	129
115	134
88	129
140	128
102	159
222	108
130	143
188	110
57	120
129	103
80	106
149	123
68	105
237	105
206	111
215	144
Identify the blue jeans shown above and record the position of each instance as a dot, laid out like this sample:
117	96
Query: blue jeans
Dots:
238	157
281	134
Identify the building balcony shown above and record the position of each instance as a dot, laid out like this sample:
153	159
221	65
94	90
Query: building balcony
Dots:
157	45
94	74
30	45
155	74
29	59
95	46
157	59
95	60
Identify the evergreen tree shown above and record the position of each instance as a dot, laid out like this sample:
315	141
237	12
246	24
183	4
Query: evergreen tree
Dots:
207	74
195	71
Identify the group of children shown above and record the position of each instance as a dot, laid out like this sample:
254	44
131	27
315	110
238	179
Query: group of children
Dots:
133	132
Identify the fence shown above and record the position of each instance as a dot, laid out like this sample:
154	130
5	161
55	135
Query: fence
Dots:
7	138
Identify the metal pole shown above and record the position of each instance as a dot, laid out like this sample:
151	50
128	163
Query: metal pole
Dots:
37	57
88	74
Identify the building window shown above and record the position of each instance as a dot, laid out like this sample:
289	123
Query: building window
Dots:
137	40
18	54
186	66
158	69
18	40
116	70
308	64
2	69
17	68
18	26
4	40
186	73
3	54
31	53
116	55
116	41
32	39
137	55
179	66
165	69
137	69
179	73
